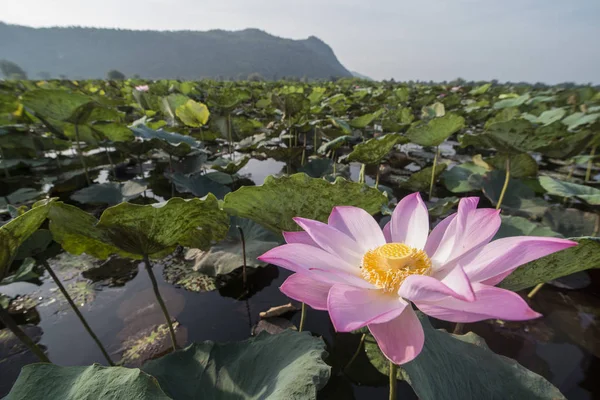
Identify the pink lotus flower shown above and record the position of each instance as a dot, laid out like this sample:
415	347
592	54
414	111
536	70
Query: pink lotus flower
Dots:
142	88
365	277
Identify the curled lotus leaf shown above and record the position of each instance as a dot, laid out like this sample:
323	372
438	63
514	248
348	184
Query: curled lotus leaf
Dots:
274	203
133	230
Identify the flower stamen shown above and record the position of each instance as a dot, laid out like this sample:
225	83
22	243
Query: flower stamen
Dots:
389	265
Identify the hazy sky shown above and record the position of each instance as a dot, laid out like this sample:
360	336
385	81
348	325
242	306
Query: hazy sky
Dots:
531	40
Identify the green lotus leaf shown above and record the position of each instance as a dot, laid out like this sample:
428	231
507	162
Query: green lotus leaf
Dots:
521	164
511	136
133	231
21	196
229	98
479	90
198	184
436	131
226	256
457	179
49	381
14	233
585	255
571	222
34	245
228	166
519	197
367	119
193	114
57	104
168	105
551	116
401	94
578	119
374	150
114	132
278	200
441	207
450	367
512	102
288	365
519	226
341	124
25	272
568	189
170	137
435	110
110	193
420	181
334	144
317	167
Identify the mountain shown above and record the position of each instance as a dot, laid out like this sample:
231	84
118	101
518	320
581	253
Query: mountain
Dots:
80	53
360	76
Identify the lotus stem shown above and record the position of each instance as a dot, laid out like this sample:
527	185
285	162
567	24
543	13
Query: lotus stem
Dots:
6	173
571	171
536	289
361	174
315	142
112	165
588	172
242	237
435	159
160	301
80	153
505	183
377	177
302	317
229	136
10	323
58	166
303	151
458	328
295	139
393	380
357	352
77	312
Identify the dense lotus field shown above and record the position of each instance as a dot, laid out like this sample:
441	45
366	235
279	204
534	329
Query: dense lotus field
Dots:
285	240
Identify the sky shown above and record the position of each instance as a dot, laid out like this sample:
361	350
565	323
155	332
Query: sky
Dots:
547	41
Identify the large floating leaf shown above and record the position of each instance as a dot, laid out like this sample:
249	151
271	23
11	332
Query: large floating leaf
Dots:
288	365
133	230
512	102
49	381
14	233
226	256
420	181
170	137
519	197
436	131
571	222
567	189
229	166
519	226
193	113
364	120
374	150
197	184
512	136
462	367
278	200
584	256
457	179
55	103
521	164
110	193
113	131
